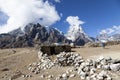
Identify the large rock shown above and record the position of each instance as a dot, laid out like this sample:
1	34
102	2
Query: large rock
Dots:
115	67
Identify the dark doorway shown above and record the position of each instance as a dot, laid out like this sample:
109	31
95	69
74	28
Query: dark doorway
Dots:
52	50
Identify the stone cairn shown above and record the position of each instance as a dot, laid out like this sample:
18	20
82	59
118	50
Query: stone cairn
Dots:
89	69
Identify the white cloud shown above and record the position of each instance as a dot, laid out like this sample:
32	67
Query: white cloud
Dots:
57	1
116	27
74	20
74	28
22	12
112	30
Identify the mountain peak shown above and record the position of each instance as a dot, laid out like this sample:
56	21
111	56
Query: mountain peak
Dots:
77	34
73	32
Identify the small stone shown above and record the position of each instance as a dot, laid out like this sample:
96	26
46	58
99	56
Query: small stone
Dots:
29	76
101	58
108	58
67	72
109	78
42	76
93	76
82	77
23	76
72	75
40	54
88	78
103	62
34	64
86	69
64	75
82	74
92	72
32	69
10	79
26	76
102	73
107	67
50	76
99	66
30	64
36	72
59	77
100	77
29	68
71	70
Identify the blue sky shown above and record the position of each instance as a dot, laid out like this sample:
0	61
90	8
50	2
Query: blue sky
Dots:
97	14
3	18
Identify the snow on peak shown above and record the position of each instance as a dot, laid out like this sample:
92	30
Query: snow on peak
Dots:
48	28
75	28
74	32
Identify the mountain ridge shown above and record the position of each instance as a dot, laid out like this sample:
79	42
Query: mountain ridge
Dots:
34	34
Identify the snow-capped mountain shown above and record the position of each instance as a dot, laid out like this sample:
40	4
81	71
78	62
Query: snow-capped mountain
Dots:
103	37
77	35
32	34
74	33
116	37
106	37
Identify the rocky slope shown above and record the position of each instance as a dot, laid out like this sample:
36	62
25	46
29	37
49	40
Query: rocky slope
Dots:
31	35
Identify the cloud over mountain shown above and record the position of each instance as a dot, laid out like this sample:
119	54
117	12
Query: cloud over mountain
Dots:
74	28
74	20
22	12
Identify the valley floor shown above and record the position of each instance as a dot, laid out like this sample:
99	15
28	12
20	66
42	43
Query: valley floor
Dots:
12	60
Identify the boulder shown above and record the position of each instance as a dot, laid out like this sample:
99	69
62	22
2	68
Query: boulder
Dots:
115	67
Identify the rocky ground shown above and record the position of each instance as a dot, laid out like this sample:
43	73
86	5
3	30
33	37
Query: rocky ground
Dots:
25	64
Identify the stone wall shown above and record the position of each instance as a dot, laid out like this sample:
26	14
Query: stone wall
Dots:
53	49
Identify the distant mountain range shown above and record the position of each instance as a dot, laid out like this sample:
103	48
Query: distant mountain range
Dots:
106	38
37	34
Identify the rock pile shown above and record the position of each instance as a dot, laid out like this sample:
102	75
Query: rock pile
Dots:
69	59
44	63
90	69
